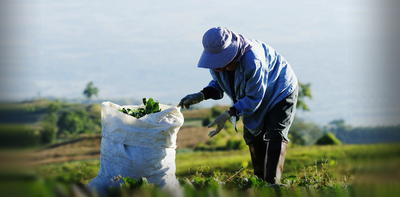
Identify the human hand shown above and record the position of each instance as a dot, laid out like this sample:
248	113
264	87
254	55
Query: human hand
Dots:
220	122
191	99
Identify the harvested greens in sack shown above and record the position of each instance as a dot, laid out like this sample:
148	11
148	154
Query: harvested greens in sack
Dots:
138	147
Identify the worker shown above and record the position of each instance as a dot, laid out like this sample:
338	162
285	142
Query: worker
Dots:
263	89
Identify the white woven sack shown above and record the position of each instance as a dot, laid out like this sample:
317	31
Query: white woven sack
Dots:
135	148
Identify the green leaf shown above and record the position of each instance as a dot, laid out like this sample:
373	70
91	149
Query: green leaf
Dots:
144	101
142	182
211	183
337	186
129	182
150	107
198	179
254	182
291	178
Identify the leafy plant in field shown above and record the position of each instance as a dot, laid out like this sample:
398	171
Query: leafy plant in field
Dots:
313	177
215	112
74	122
328	139
150	107
318	177
321	177
206	121
49	125
133	183
236	144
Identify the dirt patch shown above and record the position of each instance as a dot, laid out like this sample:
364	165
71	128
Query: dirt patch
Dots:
87	147
189	137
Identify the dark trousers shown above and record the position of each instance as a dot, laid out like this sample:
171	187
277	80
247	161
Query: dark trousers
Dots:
268	149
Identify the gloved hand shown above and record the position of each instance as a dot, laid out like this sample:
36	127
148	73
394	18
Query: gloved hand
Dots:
191	99
220	122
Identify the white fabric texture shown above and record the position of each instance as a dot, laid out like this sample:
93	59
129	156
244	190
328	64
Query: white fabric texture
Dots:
135	148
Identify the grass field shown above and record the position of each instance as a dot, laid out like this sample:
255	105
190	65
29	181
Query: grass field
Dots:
346	170
343	161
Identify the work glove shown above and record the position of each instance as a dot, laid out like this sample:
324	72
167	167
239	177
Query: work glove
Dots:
191	99
220	122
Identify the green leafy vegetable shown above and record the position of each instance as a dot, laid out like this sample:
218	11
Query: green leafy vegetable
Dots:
133	183
150	107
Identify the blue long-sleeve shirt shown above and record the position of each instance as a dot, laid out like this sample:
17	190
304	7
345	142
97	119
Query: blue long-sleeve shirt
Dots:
262	78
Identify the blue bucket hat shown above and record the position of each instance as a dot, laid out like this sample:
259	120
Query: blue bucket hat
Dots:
220	47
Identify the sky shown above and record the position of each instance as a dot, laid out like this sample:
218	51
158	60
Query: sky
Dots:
346	50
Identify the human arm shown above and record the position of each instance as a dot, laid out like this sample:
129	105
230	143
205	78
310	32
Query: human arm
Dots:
256	81
191	99
212	91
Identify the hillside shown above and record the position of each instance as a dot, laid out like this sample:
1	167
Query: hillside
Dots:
19	119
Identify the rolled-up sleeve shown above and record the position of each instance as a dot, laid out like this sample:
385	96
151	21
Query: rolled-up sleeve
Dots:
256	84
